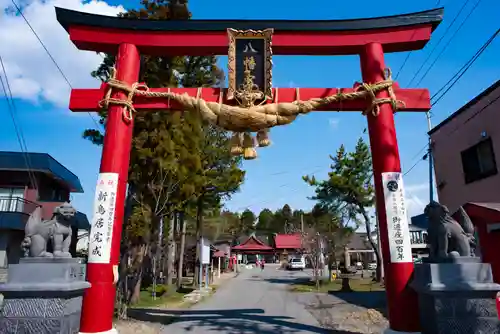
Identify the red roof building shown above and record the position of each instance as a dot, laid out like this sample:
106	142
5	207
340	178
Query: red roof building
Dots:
286	244
288	241
252	246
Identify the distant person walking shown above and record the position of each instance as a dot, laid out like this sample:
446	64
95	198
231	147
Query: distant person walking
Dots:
262	264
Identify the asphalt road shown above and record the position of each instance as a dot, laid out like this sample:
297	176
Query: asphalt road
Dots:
253	302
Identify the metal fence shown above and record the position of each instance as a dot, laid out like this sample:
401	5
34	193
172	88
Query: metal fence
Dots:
17	204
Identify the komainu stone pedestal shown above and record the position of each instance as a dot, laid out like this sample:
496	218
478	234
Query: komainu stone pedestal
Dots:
43	296
456	298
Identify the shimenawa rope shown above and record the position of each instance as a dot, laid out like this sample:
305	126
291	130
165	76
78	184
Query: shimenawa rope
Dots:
257	118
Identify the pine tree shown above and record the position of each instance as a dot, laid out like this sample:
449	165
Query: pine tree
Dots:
348	191
166	168
247	220
265	220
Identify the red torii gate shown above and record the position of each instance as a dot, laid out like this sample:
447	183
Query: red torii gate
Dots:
368	38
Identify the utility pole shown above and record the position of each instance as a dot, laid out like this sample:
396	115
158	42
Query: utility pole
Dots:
302	222
429	157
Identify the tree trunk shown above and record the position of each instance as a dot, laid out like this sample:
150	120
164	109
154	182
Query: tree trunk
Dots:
122	290
376	249
346	286
180	268
138	264
199	236
171	251
331	261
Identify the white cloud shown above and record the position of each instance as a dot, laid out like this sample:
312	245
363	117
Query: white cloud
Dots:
416	198
334	122
31	73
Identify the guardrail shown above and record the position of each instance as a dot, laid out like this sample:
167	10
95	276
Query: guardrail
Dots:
17	204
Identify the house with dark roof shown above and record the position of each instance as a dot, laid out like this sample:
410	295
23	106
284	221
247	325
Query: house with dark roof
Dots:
29	181
359	250
465	147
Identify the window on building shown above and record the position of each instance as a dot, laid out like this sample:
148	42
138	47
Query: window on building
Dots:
478	161
416	237
49	194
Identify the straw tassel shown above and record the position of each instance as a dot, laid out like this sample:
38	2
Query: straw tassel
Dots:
237	143
249	151
263	138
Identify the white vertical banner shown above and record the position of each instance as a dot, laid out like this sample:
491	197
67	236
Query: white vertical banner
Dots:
397	220
205	251
101	230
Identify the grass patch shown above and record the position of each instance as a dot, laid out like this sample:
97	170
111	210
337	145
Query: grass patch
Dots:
357	285
163	298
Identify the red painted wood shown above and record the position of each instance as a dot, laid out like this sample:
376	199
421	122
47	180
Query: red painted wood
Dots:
206	43
497	298
482	215
88	99
402	301
99	299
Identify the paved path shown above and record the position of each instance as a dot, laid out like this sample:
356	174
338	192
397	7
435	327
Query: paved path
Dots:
254	302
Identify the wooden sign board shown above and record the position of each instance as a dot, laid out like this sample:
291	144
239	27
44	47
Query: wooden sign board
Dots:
250	43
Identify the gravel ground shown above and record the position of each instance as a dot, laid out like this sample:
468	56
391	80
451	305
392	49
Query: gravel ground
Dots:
344	313
137	327
258	302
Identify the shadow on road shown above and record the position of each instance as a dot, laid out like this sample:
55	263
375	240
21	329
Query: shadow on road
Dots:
243	321
367	299
289	280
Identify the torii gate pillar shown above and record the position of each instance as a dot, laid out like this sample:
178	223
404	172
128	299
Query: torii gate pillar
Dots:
385	157
99	300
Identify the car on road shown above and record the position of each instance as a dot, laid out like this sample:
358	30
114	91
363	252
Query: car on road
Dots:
297	264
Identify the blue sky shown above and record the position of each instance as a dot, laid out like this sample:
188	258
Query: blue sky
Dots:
302	147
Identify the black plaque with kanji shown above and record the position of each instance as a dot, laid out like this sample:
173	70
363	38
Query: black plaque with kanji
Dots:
255	46
251	48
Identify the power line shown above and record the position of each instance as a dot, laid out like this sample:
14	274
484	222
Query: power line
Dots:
17	128
439	41
454	79
449	41
411	168
474	115
98	125
464	69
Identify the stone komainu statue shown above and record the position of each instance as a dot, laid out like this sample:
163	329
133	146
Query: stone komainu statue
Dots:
447	237
57	231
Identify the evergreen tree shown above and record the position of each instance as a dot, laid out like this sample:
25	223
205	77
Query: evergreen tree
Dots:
247	220
265	220
169	168
349	191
